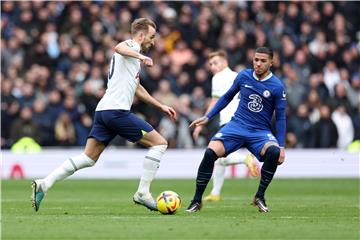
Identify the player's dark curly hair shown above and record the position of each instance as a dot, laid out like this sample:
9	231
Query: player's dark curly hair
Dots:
265	50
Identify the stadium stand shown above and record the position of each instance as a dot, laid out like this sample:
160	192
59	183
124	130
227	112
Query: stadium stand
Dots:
55	55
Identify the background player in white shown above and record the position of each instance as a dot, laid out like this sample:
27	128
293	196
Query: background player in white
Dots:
221	82
112	117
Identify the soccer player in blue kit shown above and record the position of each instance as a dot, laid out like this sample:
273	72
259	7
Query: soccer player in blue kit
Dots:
113	117
261	93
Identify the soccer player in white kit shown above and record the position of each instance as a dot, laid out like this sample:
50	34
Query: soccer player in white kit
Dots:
113	117
221	82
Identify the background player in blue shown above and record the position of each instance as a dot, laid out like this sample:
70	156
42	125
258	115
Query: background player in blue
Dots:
261	93
113	117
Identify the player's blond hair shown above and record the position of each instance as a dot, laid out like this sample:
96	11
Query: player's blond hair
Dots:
220	53
141	24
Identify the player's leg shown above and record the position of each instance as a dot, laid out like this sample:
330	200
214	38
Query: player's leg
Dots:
270	153
157	146
219	172
218	181
93	149
99	136
215	150
238	158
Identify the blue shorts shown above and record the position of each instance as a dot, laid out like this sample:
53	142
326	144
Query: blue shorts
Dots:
109	123
235	137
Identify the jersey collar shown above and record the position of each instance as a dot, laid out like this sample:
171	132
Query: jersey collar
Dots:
225	70
266	78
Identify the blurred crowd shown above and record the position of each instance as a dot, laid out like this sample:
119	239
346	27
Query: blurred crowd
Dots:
55	56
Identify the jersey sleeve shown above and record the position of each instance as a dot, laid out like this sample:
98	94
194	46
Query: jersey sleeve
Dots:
226	98
280	115
132	44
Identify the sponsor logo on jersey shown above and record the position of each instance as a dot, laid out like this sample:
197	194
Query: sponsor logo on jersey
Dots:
255	105
248	86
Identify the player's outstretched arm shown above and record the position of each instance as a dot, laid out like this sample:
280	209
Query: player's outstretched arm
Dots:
125	50
144	96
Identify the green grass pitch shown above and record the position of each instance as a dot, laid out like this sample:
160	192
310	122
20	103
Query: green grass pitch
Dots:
103	209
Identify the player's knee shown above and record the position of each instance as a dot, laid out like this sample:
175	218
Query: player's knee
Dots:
163	142
161	148
272	153
210	155
160	141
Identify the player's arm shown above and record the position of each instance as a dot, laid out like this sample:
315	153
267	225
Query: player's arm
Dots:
280	115
220	104
216	92
144	96
125	49
199	128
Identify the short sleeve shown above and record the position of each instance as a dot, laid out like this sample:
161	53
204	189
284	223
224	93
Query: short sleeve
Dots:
133	45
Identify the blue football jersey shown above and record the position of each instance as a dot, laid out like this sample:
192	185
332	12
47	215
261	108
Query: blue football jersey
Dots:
258	101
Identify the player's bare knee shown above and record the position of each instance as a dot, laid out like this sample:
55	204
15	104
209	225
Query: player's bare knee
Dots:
93	153
160	141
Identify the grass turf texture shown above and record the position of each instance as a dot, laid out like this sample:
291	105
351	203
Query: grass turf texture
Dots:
103	209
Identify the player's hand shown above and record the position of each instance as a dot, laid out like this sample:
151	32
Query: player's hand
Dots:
200	121
282	156
197	132
169	111
146	60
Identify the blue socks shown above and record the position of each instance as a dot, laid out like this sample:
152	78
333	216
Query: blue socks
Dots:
204	173
268	169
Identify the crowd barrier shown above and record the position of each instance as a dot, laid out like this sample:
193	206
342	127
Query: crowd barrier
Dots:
177	163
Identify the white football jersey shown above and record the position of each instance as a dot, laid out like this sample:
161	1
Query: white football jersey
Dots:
221	83
123	79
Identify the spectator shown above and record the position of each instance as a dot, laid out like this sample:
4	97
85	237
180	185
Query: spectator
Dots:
344	126
300	125
66	47
294	89
164	93
25	126
325	134
82	129
42	116
64	130
331	76
341	98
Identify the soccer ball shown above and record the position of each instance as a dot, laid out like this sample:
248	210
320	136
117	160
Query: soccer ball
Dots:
168	202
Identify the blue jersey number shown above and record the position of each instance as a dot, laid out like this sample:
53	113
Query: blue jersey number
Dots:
111	69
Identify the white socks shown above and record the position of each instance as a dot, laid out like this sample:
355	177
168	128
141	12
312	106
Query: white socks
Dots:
233	158
66	169
150	167
219	170
218	178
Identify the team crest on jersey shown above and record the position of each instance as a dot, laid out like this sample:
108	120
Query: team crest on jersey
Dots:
218	135
266	93
256	104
